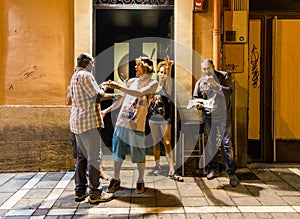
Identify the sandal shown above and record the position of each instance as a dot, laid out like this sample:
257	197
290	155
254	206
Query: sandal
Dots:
175	177
105	176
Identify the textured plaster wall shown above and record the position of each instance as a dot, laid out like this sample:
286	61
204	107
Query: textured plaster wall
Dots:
36	64
35	138
203	38
37	51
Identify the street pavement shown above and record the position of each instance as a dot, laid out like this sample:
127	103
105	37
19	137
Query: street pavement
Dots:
266	191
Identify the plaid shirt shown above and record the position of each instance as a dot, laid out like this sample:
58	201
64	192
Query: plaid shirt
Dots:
84	90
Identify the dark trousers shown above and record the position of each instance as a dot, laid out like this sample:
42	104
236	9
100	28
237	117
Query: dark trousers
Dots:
88	159
214	128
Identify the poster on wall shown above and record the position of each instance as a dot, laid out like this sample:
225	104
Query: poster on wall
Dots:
121	63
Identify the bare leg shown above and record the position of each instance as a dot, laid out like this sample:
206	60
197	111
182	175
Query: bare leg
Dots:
117	169
155	131
141	169
104	175
168	147
169	153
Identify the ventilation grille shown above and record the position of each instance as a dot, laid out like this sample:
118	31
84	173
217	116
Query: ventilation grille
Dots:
239	5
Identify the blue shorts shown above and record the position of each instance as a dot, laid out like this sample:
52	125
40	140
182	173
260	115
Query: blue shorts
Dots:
124	138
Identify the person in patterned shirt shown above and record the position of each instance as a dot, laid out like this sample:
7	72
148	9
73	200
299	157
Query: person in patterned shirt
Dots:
84	92
130	126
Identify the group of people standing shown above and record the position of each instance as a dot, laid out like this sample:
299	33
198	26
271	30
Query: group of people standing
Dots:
141	95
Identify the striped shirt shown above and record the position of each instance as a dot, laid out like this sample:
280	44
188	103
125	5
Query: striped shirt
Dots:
84	90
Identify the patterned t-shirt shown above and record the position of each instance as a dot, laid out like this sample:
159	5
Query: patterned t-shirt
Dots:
134	110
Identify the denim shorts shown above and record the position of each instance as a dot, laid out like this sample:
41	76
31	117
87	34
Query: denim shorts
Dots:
125	138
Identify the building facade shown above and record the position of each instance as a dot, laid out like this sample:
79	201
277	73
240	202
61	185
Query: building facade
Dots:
255	41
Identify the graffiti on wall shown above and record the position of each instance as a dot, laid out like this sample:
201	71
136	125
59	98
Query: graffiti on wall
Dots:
254	63
231	67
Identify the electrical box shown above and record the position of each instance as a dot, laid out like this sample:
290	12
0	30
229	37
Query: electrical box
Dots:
235	26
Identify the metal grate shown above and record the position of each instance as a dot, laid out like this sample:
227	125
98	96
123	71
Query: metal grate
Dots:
247	176
134	2
240	5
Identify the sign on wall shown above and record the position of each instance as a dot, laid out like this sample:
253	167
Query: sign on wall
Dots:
200	5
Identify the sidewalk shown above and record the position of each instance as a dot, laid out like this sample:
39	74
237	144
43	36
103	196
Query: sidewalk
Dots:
265	192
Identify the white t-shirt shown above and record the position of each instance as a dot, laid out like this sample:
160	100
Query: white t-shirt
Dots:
134	110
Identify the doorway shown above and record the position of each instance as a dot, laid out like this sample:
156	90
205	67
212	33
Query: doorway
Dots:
123	35
273	127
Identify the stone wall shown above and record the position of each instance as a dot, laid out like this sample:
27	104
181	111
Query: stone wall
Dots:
35	138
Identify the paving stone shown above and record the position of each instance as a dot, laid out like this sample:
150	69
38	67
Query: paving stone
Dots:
250	216
286	215
292	200
217	197
3	212
51	195
194	201
189	189
143	202
239	191
4	196
12	185
118	202
5	177
38	193
28	203
247	201
269	197
283	189
266	175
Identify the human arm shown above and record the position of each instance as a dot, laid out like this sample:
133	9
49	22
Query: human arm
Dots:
114	106
108	96
197	95
222	84
68	98
148	89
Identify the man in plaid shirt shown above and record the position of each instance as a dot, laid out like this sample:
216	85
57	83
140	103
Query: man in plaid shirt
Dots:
84	91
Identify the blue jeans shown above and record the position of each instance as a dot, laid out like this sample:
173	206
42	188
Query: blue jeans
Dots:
211	128
88	158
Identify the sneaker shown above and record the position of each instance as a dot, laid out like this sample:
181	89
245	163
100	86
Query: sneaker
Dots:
175	177
104	197
212	174
156	171
233	180
80	197
140	188
114	185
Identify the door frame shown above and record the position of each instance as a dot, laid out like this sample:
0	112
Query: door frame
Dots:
264	149
133	53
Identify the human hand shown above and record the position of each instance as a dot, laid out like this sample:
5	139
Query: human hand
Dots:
118	96
112	84
199	106
103	86
156	97
212	81
103	113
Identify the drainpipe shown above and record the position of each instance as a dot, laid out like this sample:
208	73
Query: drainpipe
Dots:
217	33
